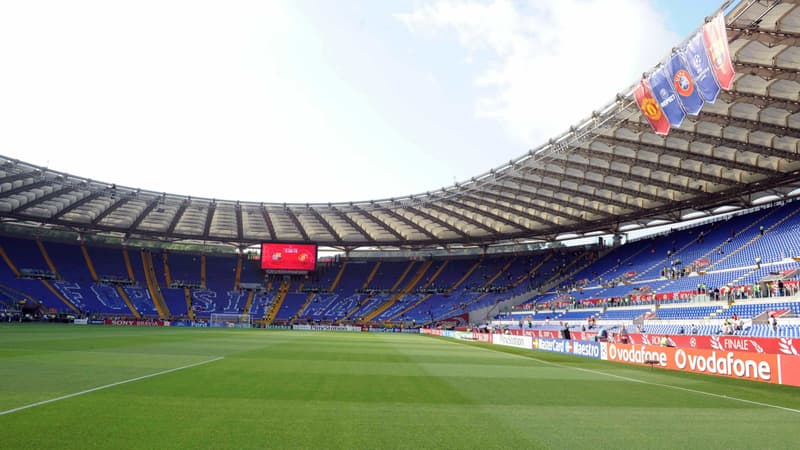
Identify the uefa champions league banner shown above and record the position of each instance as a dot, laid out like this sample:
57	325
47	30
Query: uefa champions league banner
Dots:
694	75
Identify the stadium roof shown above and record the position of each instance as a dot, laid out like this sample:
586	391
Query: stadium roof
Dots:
608	173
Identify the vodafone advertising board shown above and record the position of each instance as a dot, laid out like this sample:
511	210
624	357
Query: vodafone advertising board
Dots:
775	346
747	365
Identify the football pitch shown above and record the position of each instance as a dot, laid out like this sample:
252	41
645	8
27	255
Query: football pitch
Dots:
64	386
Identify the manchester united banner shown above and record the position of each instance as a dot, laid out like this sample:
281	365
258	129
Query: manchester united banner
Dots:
716	42
650	108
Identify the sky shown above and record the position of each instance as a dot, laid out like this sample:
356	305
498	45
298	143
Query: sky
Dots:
313	101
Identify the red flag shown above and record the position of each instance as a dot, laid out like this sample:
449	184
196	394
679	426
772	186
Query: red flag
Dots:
650	108
716	39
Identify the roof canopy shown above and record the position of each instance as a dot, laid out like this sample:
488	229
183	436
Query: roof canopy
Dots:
608	172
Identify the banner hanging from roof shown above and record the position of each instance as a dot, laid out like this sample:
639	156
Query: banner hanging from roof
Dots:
651	108
716	40
683	83
661	84
694	75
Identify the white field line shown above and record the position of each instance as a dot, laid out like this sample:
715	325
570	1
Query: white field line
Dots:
650	383
143	377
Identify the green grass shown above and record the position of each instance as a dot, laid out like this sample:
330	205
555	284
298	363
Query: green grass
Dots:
334	390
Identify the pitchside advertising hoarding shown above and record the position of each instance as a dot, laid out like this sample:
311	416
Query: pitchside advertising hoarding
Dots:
780	368
588	349
775	346
510	340
763	367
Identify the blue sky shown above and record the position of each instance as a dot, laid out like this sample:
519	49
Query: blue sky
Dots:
302	101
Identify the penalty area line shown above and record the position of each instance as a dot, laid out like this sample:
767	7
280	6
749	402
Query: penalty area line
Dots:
99	388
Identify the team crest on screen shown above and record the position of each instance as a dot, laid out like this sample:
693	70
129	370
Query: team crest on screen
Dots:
683	83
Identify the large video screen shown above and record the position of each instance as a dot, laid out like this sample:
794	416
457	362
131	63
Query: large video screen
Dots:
290	257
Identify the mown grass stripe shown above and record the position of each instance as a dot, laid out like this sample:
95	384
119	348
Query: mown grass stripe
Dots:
99	388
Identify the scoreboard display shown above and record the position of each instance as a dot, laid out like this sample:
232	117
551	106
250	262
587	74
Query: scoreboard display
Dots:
289	257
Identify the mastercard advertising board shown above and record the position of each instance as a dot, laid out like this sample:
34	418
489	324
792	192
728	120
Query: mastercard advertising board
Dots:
281	256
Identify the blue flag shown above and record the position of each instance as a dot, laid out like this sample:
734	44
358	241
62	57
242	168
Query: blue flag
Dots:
683	84
700	68
661	85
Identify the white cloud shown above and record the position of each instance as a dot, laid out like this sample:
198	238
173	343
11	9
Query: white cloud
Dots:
542	67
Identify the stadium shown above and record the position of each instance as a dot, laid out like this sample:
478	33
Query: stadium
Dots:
634	279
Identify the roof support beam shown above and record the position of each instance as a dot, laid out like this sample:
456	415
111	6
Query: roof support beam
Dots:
386	226
353	224
410	223
656	166
573	192
509	210
458	203
770	38
767	72
719	141
104	213
24	187
604	186
140	218
178	216
436	220
237	208
19	176
42	199
78	204
212	208
730	121
297	223
761	101
462	216
328	227
268	221
686	154
611	171
535	206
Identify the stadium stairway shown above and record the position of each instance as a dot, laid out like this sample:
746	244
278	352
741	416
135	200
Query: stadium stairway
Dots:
124	296
371	275
128	266
152	285
276	304
338	277
8	261
757	236
167	272
425	297
46	257
187	294
89	263
406	289
203	271
309	299
58	295
238	277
